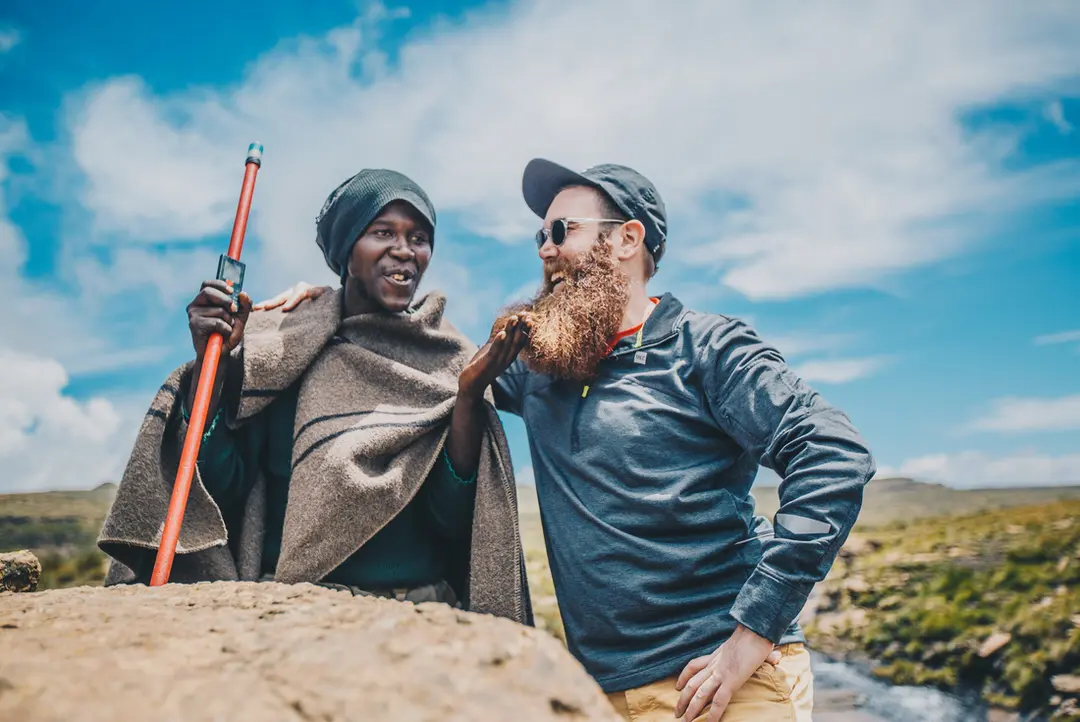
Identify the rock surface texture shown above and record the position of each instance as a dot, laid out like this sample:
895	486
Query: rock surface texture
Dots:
225	651
19	572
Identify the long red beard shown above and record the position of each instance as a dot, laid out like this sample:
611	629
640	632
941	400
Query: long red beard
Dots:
571	329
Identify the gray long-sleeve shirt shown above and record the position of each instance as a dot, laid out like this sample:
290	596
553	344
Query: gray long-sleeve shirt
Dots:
644	478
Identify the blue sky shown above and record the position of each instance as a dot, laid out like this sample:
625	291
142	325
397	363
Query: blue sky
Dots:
898	210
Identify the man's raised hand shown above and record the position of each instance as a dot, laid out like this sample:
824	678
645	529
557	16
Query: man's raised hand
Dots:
505	343
213	311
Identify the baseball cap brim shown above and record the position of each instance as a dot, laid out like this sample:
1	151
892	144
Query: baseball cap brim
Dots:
543	180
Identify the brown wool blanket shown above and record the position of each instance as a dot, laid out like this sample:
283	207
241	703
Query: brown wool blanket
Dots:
376	394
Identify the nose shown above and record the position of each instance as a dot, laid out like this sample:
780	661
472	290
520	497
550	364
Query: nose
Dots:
548	251
401	250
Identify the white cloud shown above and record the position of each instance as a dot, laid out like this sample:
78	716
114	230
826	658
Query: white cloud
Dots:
839	371
9	38
45	319
49	440
1055	338
837	128
976	469
176	183
1031	414
1055	113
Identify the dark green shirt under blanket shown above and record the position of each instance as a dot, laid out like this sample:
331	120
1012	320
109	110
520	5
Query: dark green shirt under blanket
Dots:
409	551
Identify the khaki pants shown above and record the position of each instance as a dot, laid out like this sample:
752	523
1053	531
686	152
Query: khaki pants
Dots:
784	693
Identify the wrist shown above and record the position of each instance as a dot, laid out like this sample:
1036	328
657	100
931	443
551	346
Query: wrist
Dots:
744	634
469	395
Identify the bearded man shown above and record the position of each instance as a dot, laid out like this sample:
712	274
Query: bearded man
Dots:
647	422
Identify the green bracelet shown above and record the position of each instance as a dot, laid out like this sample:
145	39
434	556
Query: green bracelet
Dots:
453	473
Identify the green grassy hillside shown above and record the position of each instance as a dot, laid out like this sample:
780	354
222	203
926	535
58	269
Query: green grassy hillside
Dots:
60	527
988	602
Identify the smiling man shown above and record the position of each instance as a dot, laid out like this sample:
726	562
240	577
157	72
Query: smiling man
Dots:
647	422
350	442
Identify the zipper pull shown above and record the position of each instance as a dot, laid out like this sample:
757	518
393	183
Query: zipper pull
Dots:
585	391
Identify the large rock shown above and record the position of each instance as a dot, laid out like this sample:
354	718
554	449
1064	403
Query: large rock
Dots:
19	572
224	651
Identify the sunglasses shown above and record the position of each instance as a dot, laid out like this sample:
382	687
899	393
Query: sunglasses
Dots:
561	226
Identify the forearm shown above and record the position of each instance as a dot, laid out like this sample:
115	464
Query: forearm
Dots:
466	432
824	466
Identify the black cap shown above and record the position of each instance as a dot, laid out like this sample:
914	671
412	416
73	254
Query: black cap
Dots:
630	191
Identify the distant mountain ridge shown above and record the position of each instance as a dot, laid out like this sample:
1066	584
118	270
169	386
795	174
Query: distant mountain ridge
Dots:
896	499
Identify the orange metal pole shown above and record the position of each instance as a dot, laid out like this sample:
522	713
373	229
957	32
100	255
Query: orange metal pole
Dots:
184	473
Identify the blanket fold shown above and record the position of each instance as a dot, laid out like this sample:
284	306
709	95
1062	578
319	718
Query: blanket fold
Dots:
375	396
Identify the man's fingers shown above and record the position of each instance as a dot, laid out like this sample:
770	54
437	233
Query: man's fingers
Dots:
210	326
299	293
692	687
701	698
213	296
512	344
719	704
275	301
774	657
692	667
214	283
521	340
209	312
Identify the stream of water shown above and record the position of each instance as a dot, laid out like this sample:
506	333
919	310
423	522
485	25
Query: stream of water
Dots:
848	693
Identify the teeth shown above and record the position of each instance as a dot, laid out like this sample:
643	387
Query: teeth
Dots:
398	276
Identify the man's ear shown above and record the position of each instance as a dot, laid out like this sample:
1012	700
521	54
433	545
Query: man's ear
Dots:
632	238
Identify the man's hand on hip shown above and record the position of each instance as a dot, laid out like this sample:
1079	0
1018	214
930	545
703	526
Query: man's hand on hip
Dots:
716	677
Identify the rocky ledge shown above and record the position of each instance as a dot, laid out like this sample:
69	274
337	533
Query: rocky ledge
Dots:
225	651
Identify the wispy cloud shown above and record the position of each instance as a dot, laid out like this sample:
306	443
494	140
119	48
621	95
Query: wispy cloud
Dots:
800	344
1018	415
116	360
9	38
976	469
849	166
841	370
1055	113
1055	338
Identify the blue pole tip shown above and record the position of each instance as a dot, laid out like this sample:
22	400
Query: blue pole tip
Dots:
254	152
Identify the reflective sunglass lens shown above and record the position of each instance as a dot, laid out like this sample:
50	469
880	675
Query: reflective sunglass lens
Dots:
558	232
